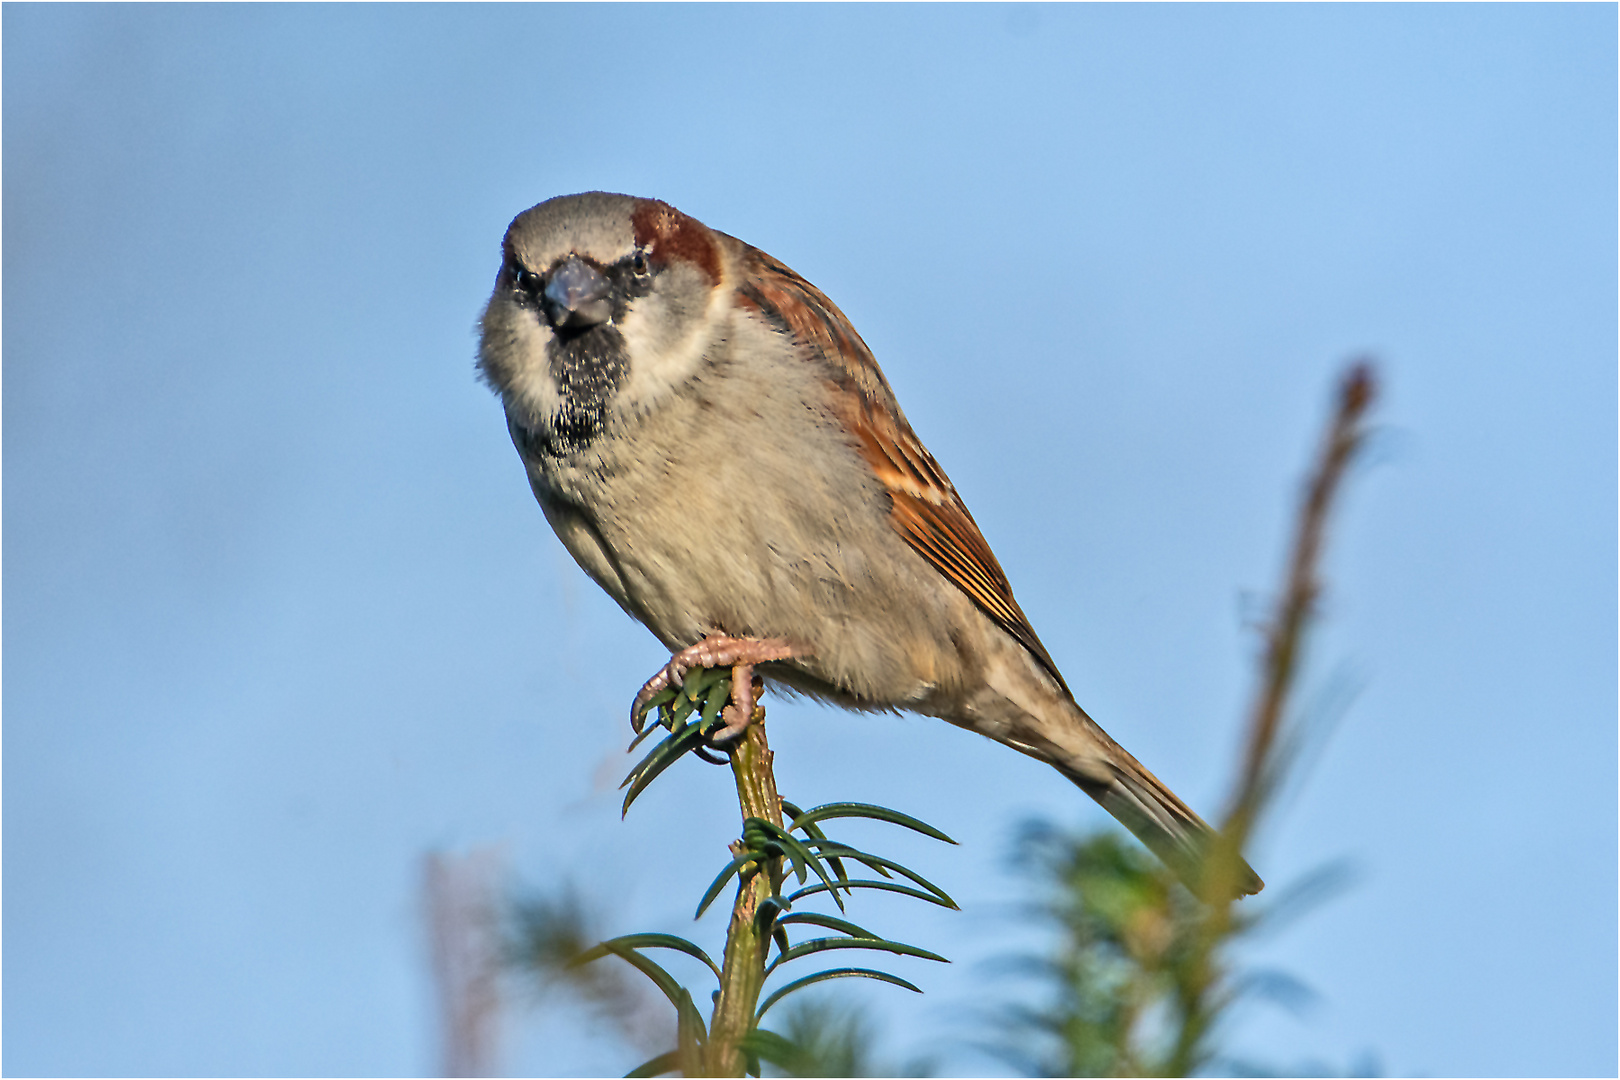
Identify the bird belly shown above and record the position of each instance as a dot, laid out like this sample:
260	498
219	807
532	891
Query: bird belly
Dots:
721	512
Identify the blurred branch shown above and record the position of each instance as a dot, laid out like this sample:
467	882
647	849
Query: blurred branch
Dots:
1142	972
462	917
548	932
1201	988
1286	632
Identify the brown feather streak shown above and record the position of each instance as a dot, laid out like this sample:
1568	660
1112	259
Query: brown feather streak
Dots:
925	508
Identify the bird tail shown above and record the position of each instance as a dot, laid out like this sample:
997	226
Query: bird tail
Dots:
1140	802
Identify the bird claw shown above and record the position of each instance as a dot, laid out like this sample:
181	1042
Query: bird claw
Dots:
716	650
668	677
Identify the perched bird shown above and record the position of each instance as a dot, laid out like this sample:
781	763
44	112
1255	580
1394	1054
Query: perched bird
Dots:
716	446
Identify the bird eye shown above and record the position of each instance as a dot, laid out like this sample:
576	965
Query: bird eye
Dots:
522	279
639	265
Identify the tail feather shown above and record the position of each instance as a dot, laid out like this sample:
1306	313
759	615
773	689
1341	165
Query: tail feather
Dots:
1140	802
1054	729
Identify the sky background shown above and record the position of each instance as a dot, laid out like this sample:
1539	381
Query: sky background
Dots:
281	615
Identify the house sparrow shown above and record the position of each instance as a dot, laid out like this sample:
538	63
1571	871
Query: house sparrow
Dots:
716	446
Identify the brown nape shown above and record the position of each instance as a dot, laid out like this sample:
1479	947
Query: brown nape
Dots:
672	236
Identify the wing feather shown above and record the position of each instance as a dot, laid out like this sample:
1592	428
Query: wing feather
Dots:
926	510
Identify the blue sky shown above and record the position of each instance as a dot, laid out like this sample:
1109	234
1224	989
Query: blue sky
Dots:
281	615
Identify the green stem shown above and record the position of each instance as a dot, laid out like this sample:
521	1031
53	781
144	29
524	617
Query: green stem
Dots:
748	939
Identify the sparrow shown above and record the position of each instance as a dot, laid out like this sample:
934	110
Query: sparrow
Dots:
717	448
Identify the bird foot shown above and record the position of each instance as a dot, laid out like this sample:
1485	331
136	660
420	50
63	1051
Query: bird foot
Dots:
718	650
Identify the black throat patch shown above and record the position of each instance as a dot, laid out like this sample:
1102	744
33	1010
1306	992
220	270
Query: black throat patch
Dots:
588	368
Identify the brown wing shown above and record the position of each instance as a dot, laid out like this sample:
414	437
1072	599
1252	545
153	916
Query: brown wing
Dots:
927	511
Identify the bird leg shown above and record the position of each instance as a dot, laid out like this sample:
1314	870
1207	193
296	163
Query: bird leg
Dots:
718	650
740	713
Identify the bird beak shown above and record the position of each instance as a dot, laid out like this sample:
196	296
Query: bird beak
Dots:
576	297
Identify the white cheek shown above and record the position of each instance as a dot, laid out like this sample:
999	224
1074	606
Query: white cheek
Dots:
530	389
662	356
